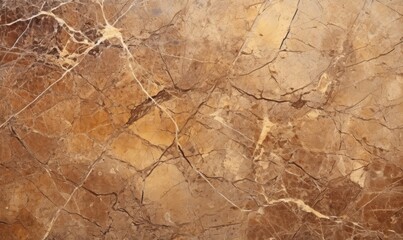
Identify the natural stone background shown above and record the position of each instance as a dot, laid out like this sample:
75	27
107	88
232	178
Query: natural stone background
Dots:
201	119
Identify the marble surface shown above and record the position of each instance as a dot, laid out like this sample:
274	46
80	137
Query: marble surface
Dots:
201	119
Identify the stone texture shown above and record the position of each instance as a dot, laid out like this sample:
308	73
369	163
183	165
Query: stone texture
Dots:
216	119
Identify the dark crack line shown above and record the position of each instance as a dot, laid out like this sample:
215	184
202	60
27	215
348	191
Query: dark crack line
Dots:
260	67
376	57
260	98
81	216
289	27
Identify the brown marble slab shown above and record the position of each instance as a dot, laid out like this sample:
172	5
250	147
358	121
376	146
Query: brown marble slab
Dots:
201	119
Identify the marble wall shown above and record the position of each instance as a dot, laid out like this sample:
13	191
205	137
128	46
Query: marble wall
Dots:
201	119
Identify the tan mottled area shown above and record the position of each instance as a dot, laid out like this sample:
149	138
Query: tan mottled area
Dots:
218	119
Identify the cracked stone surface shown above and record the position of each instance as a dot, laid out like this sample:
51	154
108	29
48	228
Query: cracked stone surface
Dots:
193	119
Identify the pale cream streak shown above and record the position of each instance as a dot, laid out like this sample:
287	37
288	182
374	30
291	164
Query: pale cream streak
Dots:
176	127
34	16
261	10
222	121
266	126
37	97
55	217
62	22
48	88
127	10
111	32
301	205
107	33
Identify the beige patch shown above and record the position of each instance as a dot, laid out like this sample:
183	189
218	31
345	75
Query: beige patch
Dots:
134	151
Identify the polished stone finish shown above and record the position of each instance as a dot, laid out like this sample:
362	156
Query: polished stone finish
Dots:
201	119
